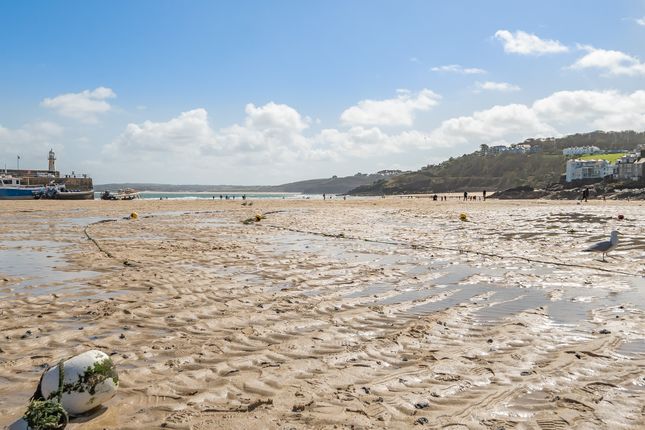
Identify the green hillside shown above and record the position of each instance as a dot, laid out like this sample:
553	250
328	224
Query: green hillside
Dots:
609	157
477	171
473	172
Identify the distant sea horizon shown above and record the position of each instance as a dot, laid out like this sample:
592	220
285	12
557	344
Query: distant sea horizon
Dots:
204	195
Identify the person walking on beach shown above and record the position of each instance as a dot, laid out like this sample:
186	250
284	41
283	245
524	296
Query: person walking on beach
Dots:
484	193
465	195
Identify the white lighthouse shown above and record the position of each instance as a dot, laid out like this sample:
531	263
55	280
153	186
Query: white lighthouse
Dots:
52	161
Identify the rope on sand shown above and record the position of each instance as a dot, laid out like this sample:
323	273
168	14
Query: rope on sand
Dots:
98	245
448	248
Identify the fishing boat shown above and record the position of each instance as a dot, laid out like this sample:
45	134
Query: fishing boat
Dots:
11	188
60	192
75	195
123	194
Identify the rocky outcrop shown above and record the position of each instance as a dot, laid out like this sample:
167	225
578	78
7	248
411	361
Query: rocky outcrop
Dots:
609	191
517	193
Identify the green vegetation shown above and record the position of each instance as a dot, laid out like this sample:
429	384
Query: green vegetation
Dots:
48	414
476	171
609	157
94	376
472	172
610	140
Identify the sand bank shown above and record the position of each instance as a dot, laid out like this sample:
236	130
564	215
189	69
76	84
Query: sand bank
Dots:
371	313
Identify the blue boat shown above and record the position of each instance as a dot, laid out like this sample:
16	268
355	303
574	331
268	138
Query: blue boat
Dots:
12	189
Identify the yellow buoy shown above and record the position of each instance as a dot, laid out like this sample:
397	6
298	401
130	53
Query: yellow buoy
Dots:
134	215
463	216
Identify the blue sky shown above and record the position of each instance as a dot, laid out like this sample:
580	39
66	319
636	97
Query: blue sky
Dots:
256	92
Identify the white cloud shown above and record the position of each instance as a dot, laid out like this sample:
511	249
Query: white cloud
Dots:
84	106
399	111
181	135
361	142
40	131
615	63
497	86
559	113
456	68
272	133
498	122
640	21
31	142
604	110
277	135
524	43
274	116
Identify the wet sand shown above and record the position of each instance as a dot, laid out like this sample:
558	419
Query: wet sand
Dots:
366	313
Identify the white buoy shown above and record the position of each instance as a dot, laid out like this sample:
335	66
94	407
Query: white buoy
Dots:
89	379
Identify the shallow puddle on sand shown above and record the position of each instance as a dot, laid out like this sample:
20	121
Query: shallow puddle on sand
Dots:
573	308
85	221
508	301
39	267
632	349
461	294
371	290
576	217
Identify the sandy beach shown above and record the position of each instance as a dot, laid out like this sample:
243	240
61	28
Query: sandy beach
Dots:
365	313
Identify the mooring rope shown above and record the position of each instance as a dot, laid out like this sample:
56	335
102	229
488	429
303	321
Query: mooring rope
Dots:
96	243
452	249
389	242
107	253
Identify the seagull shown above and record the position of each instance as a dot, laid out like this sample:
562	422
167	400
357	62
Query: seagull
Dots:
605	246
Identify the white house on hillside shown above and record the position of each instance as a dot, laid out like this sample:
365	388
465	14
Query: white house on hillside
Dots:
588	169
580	150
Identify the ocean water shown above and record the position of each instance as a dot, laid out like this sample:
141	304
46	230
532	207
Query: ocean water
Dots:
209	196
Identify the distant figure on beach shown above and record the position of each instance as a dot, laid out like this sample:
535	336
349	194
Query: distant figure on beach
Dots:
585	194
434	197
221	197
324	196
465	195
243	196
484	193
